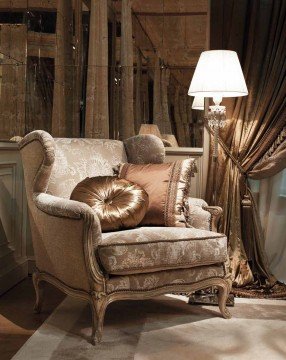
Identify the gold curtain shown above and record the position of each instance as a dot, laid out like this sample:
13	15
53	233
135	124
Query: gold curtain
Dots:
255	129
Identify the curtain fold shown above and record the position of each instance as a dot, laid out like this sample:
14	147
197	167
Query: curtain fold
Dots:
273	161
256	30
271	198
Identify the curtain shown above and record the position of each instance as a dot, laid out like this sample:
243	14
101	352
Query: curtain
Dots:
270	194
256	30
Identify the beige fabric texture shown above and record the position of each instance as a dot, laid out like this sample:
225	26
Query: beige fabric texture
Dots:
150	249
167	186
159	279
197	217
57	239
76	159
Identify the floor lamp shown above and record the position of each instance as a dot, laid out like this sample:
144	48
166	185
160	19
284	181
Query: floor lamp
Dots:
218	74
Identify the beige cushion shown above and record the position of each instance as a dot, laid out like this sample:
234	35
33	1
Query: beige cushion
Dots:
150	249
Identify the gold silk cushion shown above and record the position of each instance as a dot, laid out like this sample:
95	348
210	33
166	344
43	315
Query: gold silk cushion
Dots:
167	185
118	203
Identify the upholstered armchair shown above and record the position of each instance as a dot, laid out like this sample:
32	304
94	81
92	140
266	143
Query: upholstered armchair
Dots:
72	253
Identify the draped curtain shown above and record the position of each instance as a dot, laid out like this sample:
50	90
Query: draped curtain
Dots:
270	194
252	143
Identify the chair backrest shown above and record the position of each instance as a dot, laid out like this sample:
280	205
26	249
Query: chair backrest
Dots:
55	166
76	159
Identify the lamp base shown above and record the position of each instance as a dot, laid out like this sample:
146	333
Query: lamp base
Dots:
216	120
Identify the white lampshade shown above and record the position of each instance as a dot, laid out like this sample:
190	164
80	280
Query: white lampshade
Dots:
218	74
198	103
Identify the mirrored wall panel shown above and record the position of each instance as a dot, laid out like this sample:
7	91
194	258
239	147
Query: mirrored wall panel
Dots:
102	68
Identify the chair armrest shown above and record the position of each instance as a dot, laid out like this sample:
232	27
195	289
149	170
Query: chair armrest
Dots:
68	233
216	213
202	216
56	206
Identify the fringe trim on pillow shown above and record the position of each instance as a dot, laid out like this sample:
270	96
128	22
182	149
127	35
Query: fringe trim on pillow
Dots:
192	170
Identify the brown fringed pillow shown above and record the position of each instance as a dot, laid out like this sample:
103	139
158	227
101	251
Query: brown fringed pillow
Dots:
119	203
167	185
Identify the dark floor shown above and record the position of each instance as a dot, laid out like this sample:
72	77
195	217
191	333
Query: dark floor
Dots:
17	319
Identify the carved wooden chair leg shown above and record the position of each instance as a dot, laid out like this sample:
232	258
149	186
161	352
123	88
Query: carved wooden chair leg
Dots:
98	307
223	292
38	285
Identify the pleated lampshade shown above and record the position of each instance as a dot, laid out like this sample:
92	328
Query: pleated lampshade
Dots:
218	73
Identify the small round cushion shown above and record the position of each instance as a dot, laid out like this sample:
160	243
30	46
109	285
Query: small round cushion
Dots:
119	203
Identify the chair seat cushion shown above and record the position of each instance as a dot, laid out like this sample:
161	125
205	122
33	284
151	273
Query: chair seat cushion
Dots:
150	249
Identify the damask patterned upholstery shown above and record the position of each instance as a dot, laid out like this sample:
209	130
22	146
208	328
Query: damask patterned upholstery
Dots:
76	159
156	280
149	249
197	217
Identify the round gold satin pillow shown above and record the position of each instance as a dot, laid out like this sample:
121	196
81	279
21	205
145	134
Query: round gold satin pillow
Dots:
119	203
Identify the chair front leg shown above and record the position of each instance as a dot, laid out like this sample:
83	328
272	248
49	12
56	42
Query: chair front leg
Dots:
98	307
223	293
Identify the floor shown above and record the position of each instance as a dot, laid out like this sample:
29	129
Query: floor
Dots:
165	327
17	320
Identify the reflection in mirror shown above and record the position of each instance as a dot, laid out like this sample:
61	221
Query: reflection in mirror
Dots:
66	70
13	79
167	40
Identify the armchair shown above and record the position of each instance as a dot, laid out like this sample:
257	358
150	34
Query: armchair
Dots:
73	254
